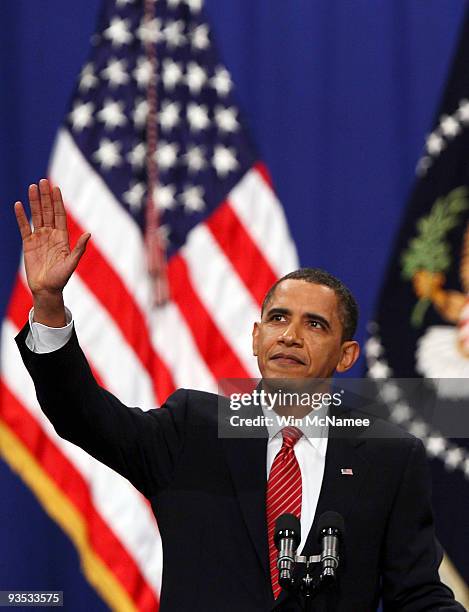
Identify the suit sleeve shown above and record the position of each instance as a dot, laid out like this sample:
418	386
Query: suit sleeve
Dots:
144	447
411	554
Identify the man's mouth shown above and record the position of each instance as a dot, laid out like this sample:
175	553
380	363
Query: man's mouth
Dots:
288	359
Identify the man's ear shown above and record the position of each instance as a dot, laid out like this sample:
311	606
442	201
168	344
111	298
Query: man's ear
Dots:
350	354
255	338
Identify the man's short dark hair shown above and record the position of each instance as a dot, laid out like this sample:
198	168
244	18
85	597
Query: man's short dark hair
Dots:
348	308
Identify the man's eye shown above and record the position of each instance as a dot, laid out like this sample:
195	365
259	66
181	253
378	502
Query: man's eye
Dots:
277	317
316	324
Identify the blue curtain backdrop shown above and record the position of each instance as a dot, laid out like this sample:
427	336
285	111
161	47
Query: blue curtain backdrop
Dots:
338	94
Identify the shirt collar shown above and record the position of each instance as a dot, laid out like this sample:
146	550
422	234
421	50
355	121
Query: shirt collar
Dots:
313	434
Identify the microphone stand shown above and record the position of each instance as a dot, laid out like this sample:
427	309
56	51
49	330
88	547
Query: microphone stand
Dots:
287	539
308	585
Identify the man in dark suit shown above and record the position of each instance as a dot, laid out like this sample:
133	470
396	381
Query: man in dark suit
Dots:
214	496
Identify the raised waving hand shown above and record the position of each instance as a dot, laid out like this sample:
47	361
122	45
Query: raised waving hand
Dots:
48	259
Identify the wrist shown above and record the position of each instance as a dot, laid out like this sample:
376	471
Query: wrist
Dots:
49	309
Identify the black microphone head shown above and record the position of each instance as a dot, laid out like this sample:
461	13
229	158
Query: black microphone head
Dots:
331	520
287	525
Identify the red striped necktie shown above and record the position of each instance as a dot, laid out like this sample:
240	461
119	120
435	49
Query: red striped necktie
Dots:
283	493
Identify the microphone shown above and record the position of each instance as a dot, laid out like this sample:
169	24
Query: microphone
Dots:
287	537
330	534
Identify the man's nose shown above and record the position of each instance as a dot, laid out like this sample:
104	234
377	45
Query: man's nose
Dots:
292	336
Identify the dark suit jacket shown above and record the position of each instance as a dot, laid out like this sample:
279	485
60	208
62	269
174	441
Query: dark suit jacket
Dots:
208	495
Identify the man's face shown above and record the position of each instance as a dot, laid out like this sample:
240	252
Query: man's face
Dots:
300	334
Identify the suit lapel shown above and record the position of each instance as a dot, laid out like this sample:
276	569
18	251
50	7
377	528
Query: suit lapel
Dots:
247	462
339	490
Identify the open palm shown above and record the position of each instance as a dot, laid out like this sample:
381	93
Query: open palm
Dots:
48	260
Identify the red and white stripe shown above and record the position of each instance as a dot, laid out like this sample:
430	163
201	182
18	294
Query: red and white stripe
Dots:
217	282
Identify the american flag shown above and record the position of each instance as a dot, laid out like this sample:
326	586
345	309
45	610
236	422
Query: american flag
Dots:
226	242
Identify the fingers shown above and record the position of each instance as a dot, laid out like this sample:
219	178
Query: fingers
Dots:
41	204
47	207
79	248
46	203
35	204
22	220
60	218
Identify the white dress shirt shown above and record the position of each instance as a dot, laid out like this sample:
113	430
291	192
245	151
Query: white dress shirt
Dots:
310	450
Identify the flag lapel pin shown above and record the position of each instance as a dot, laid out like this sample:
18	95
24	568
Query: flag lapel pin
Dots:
346	471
